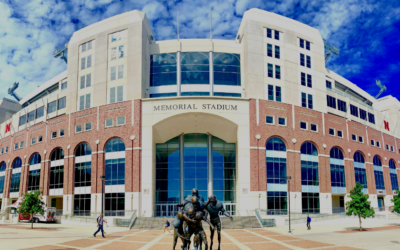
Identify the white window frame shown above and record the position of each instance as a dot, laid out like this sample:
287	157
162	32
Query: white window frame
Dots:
362	139
119	35
378	144
64	84
316	125
337	133
6	149
387	146
60	133
273	120
21	144
373	142
352	137
285	119
306	125
76	128
52	134
16	146
90	126
392	148
112	122
329	132
85	97
33	140
118	124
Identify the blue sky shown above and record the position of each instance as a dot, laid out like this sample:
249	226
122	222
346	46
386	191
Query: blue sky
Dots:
367	32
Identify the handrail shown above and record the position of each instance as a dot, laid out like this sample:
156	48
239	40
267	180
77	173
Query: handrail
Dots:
258	217
133	219
251	223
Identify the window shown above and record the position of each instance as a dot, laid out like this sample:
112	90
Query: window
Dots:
363	114
393	175
354	137
309	81
6	149
21	145
86	81
81	201
282	121
61	132
304	100
276	34
270	92
276	163
303	79
277	72
89	61
109	122
340	133
56	177
308	45
372	143
392	148
269	50
353	110
371	118
31	116
64	86
86	46
62	102
116	94
337	168
33	141
308	62
115	55
34	175
51	107
83	63
277	52
115	168
16	178
54	134
278	92
270	70
310	203
84	102
328	85
301	43
360	139
341	105
269	33
314	127
120	71
22	120
16	146
88	126
302	60
78	128
378	144
114	75
331	101
39	112
117	36
379	180
277	201
309	167
269	119
121	121
2	151
331	131
310	101
387	146
303	125
163	69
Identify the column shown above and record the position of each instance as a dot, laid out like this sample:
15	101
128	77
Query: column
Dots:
178	73
210	166
325	185
181	168
211	74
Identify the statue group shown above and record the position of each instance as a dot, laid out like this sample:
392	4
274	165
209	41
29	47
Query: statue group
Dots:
188	220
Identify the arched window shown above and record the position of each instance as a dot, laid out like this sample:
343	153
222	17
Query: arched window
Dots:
83	163
34	172
276	176
226	69
56	171
359	170
378	171
163	70
309	178
115	177
3	167
16	177
393	175
195	68
338	181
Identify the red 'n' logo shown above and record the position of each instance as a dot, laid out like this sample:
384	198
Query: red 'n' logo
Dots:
8	127
386	125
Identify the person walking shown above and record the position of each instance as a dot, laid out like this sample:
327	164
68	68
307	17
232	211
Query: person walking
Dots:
166	225
100	222
308	222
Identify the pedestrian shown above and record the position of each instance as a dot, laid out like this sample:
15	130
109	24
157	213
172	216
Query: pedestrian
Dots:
166	225
308	222
100	222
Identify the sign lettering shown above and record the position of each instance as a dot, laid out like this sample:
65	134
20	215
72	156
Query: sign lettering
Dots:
194	107
386	125
8	127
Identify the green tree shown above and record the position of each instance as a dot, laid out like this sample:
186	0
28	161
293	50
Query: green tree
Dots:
396	202
359	204
32	204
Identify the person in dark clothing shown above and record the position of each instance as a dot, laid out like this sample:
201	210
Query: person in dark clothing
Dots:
100	222
308	222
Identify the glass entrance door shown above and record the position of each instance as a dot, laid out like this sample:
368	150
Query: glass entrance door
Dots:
381	205
168	210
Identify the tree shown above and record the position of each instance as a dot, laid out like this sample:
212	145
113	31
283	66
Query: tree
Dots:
396	202
32	204
359	204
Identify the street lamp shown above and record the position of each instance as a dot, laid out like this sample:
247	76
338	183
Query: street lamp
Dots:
288	182
102	178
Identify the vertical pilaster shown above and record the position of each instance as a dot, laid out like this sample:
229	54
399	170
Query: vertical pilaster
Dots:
178	73
211	73
210	165
370	178
349	174
181	170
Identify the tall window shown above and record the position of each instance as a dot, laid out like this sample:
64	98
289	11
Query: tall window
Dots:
116	94
353	110
359	168
83	164
393	175
16	175
84	102
380	183
342	105
57	169
309	178
163	69
34	172
3	167
331	101
306	100
82	204
226	69
115	177
274	95
195	68
371	118
276	176
338	181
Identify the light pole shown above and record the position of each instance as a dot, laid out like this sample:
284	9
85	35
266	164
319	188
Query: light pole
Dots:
288	181
102	178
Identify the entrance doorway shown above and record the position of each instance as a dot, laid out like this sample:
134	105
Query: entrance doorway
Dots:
381	204
57	202
338	205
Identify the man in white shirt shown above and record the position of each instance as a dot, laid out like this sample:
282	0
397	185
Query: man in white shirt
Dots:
100	222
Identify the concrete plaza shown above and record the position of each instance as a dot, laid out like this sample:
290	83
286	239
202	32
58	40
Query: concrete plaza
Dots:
333	235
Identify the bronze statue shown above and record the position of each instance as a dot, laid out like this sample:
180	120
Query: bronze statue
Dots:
214	207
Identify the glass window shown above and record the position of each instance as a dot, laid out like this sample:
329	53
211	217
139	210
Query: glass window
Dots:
40	138
121	120
87	101
331	131
163	69
269	119
83	63
89	45
331	101
304	100
309	149
113	53
115	204
109	122
378	172
353	110
372	143
328	85
195	68
88	126
269	33
270	70
15	178
16	146
277	72
308	45
39	112
301	43
378	144
34	180
276	203
64	86
363	114
314	127
310	101
310	203
84	47
22	120
120	71
302	60
89	61
120	93
269	50
82	82
342	105
115	168
61	132
112	95
308	62
33	141
113	74
270	92
54	134
226	69
339	133
276	34
121	51
52	107
62	102
354	137
277	52
309	173
88	80
78	128
31	116
278	92
360	139
82	150
303	125
21	144
303	79
309	81
81	204
371	118
282	121
276	144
